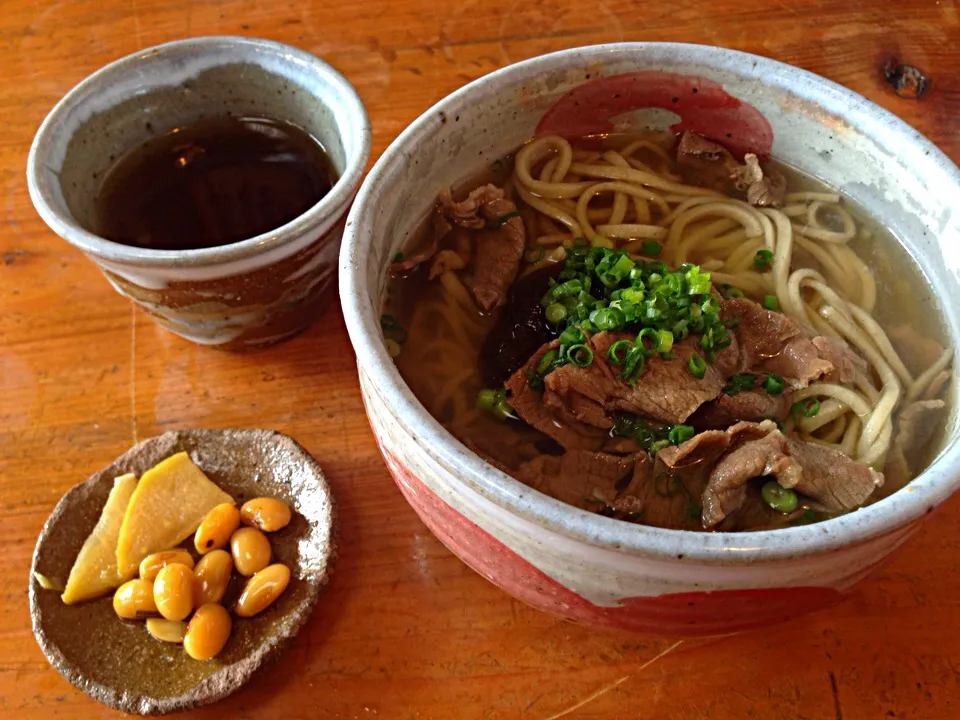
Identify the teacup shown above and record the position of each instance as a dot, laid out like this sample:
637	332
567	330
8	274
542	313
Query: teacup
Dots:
249	293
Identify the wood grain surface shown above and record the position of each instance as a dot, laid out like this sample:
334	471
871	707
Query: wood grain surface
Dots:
406	630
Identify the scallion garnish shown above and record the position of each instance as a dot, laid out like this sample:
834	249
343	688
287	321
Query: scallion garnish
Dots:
807	408
733	293
555	313
547	361
494	402
770	302
739	383
580	355
774	384
696	366
680	434
762	259
617	352
651	248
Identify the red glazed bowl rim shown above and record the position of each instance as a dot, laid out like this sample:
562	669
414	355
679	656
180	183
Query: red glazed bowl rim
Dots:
905	506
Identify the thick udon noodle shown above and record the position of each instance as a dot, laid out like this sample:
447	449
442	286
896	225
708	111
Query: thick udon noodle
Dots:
834	295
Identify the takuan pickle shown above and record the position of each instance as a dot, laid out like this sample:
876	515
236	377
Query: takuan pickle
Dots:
262	589
173	591
212	577
217	527
169	631
250	549
267	514
134	600
153	564
207	632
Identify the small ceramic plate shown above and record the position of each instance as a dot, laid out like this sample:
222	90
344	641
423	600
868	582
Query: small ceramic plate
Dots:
116	662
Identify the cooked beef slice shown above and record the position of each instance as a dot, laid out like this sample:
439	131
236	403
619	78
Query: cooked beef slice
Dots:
834	481
581	478
664	391
916	426
752	405
497	243
529	405
717	168
770	342
846	362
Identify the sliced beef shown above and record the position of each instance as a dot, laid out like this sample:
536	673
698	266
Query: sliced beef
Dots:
529	406
665	391
846	363
916	426
717	168
770	342
831	479
520	329
752	405
694	459
498	241
917	351
582	478
761	333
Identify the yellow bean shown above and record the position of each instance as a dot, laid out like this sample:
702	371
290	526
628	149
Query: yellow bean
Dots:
134	600
268	514
250	549
213	575
207	632
152	564
170	631
217	527
173	591
262	589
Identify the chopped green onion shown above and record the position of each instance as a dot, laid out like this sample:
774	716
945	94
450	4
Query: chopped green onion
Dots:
650	248
617	352
666	341
654	337
774	384
570	288
398	257
658	445
392	329
739	383
571	336
547	361
580	355
581	242
696	366
633	363
556	313
680	434
607	318
779	498
506	216
393	347
770	302
535	254
494	401
733	293
807	408
699	282
762	258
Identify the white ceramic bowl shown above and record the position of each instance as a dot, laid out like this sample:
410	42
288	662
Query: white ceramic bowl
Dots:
582	566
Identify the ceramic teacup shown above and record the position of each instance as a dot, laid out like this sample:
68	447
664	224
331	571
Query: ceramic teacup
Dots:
249	293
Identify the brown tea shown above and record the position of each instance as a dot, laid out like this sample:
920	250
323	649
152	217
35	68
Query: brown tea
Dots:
211	183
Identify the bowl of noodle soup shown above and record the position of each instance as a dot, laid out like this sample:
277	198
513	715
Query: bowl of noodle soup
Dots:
651	335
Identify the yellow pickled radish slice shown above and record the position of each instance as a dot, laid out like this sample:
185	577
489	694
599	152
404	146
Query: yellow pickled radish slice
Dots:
168	505
94	573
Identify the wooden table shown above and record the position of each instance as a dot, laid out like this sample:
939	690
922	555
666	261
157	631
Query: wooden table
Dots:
406	630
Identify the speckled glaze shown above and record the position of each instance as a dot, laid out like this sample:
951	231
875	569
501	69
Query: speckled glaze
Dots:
117	662
250	293
582	566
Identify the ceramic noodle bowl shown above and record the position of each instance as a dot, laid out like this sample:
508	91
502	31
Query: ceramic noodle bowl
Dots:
582	566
